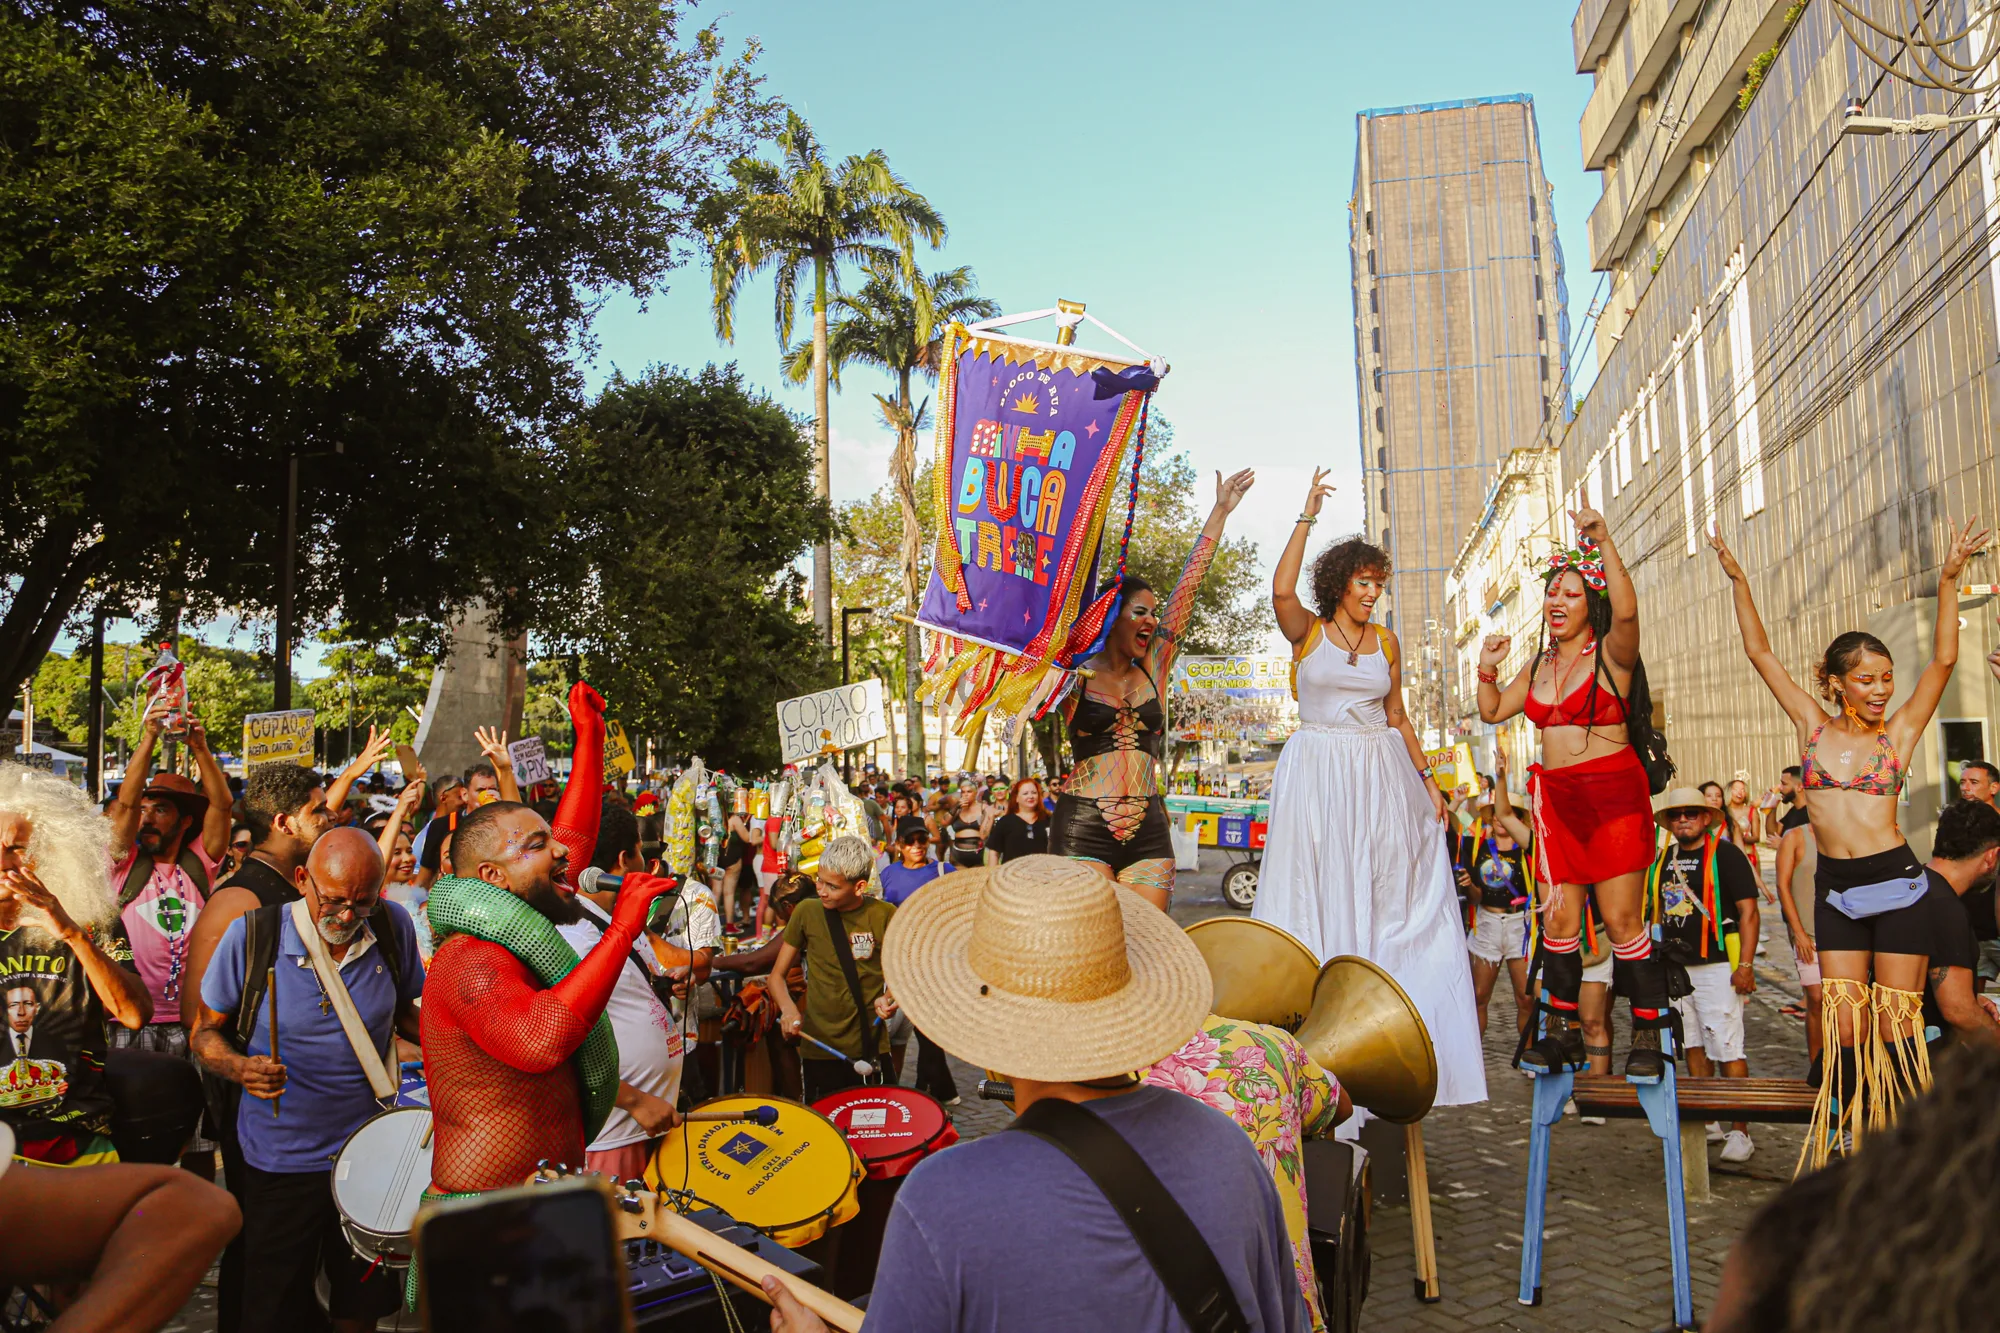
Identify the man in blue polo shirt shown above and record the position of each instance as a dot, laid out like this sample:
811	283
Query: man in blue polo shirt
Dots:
308	1096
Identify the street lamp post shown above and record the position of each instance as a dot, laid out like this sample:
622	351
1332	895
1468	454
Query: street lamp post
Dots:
1853	122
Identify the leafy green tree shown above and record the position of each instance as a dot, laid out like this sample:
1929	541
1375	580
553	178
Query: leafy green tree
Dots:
685	499
231	234
1174	500
805	210
369	685
895	323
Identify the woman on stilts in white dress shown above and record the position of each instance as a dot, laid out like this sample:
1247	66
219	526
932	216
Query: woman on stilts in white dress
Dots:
1356	860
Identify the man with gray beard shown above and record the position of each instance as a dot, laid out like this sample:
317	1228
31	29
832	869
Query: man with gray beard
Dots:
309	1092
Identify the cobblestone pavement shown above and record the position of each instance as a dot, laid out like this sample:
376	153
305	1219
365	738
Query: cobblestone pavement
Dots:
1605	1264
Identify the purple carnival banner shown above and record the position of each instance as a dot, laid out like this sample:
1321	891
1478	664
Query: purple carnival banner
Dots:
1030	447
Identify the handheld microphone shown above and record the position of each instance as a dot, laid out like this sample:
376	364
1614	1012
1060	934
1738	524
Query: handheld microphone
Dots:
594	880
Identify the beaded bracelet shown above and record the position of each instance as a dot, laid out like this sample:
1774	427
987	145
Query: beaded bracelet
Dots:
1487	677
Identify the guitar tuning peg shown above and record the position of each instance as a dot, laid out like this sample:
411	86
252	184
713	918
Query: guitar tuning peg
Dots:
630	1204
635	1186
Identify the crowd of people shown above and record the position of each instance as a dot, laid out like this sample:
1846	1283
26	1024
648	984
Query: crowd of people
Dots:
201	970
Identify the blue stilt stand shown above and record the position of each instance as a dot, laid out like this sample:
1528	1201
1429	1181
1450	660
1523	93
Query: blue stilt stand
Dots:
1660	1101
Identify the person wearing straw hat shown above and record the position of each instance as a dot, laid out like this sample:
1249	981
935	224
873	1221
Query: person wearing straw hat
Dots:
1067	982
1702	893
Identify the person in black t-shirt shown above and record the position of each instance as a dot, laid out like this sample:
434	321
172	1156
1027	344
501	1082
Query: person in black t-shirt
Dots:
1492	872
1963	857
1024	829
1703	895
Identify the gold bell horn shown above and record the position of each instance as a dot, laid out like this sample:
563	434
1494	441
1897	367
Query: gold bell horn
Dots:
1262	974
1364	1029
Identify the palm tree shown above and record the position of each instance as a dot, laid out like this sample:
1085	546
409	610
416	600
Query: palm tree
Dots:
805	210
896	322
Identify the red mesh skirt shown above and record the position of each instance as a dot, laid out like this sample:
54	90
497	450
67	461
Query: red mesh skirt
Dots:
1594	820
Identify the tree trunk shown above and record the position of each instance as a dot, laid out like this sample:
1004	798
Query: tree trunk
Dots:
822	469
904	473
49	588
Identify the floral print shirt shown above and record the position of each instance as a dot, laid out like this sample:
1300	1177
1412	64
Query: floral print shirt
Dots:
1263	1079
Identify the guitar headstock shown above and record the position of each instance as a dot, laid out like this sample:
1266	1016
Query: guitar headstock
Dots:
635	1208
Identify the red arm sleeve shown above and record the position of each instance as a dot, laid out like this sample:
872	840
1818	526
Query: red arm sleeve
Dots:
575	824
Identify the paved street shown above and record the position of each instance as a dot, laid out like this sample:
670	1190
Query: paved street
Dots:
1605	1262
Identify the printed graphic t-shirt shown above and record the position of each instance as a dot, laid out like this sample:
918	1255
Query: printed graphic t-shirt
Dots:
158	922
829	1009
53	1037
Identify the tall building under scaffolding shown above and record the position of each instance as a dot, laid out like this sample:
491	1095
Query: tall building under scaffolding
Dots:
1461	337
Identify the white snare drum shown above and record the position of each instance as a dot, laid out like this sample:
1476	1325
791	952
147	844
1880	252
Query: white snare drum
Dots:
378	1181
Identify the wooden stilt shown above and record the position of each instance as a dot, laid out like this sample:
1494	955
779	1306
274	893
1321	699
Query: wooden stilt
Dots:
1420	1214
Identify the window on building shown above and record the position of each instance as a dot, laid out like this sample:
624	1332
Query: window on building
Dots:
1374	299
1378	421
1382	457
1369	221
1378	379
1375	338
1535	244
1743	377
1541	328
1681	418
1371	261
1538	286
1545	377
1653	413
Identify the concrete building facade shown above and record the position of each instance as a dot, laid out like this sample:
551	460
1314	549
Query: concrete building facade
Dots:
1461	331
1799	352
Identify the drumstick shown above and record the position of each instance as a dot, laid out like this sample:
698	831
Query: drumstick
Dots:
756	1115
746	1270
271	992
861	1067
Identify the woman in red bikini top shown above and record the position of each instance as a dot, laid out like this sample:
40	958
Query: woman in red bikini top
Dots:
1592	796
1870	920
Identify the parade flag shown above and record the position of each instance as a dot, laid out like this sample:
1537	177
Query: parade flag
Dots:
1033	440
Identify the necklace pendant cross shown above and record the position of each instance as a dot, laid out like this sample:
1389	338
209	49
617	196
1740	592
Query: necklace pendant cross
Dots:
325	1005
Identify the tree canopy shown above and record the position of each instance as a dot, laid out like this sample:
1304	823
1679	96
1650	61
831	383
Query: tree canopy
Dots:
685	499
233	234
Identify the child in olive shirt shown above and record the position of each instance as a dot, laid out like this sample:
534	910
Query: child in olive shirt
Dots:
830	1014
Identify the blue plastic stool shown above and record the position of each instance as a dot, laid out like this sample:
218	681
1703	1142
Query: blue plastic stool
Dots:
1660	1100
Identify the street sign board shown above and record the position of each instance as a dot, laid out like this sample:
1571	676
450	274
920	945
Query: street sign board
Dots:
274	738
836	719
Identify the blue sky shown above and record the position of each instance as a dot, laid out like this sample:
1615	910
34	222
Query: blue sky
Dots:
1183	169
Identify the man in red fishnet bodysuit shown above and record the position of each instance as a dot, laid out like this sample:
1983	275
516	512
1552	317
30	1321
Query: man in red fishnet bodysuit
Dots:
497	1043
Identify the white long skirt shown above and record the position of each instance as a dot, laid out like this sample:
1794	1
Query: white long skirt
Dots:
1356	863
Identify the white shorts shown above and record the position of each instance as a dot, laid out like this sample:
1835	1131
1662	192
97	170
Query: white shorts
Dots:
1497	936
1599	972
1712	1017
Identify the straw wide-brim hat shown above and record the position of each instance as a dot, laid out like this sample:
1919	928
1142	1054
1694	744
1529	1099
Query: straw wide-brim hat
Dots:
1042	968
1679	798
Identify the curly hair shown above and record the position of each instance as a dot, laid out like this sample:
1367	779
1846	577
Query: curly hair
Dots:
1840	657
1894	1250
1336	567
69	842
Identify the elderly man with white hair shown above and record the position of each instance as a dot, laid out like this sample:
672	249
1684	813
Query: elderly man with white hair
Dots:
68	969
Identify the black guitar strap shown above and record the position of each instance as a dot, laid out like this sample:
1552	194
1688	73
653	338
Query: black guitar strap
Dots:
1167	1236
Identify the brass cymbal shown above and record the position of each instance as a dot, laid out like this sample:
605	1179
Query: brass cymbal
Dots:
1262	973
1363	1028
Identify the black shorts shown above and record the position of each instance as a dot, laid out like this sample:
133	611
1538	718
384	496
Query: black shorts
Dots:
291	1232
1904	930
1080	830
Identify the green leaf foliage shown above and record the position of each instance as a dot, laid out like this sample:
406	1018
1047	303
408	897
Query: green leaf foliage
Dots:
686	498
231	234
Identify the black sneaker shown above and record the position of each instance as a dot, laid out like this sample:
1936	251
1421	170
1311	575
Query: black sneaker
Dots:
1560	1046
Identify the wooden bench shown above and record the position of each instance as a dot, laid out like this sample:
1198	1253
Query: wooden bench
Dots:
1779	1101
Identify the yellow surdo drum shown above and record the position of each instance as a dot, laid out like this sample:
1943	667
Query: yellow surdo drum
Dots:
791	1180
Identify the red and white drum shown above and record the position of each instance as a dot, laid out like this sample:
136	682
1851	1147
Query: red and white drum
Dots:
890	1130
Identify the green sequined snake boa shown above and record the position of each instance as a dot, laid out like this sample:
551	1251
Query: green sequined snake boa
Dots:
460	906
